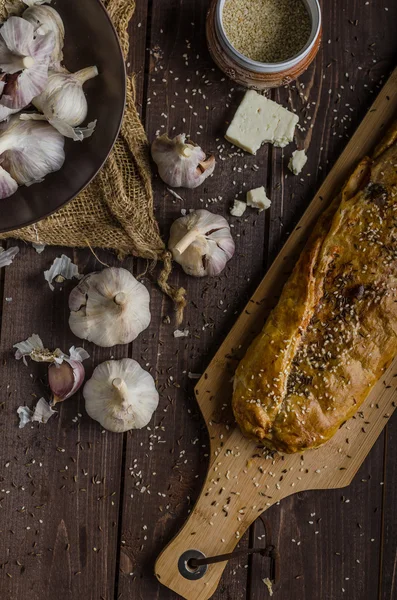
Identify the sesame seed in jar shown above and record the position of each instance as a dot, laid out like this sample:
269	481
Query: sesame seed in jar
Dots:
267	31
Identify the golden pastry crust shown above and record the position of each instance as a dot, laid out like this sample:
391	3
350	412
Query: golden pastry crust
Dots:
334	330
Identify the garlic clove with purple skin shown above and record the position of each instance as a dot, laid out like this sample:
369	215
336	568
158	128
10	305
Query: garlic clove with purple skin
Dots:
201	243
65	379
65	373
181	163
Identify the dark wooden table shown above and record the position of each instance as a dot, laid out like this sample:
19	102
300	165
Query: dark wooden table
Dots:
84	512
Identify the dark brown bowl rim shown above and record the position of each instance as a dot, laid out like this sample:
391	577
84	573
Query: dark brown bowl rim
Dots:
81	188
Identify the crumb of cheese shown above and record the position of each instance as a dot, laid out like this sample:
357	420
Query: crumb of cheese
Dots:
297	161
257	198
238	208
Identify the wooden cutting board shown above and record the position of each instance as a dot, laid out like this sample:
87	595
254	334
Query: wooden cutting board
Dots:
243	480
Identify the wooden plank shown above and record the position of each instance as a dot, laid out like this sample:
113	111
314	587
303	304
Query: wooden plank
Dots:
179	463
329	120
60	481
388	566
137	55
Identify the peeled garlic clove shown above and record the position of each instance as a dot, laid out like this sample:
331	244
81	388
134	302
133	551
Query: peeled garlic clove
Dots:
180	163
24	56
109	308
201	243
121	395
63	101
30	150
46	19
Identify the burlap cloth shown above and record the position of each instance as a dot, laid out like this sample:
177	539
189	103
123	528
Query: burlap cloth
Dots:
116	210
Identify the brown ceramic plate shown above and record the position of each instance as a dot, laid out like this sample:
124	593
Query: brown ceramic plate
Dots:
90	40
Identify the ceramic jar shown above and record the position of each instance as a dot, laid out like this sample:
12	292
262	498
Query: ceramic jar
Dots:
251	73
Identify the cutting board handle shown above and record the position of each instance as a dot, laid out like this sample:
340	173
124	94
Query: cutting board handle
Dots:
217	523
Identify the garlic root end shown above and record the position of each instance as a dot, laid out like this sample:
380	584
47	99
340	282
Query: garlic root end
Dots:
27	62
187	239
121	391
120	298
185	151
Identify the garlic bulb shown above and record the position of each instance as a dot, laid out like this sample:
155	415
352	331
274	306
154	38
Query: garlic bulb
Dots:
201	243
109	308
121	395
63	101
46	19
180	163
29	150
24	56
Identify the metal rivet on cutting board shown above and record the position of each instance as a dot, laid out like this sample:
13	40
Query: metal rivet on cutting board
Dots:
186	570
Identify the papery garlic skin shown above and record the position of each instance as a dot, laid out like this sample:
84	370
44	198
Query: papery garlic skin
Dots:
8	185
201	243
121	395
30	150
42	413
25	57
7	256
180	163
63	100
109	307
62	268
46	19
7	112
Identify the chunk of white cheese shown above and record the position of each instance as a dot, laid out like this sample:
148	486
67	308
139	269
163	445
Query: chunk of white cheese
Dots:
297	161
238	208
259	120
257	198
